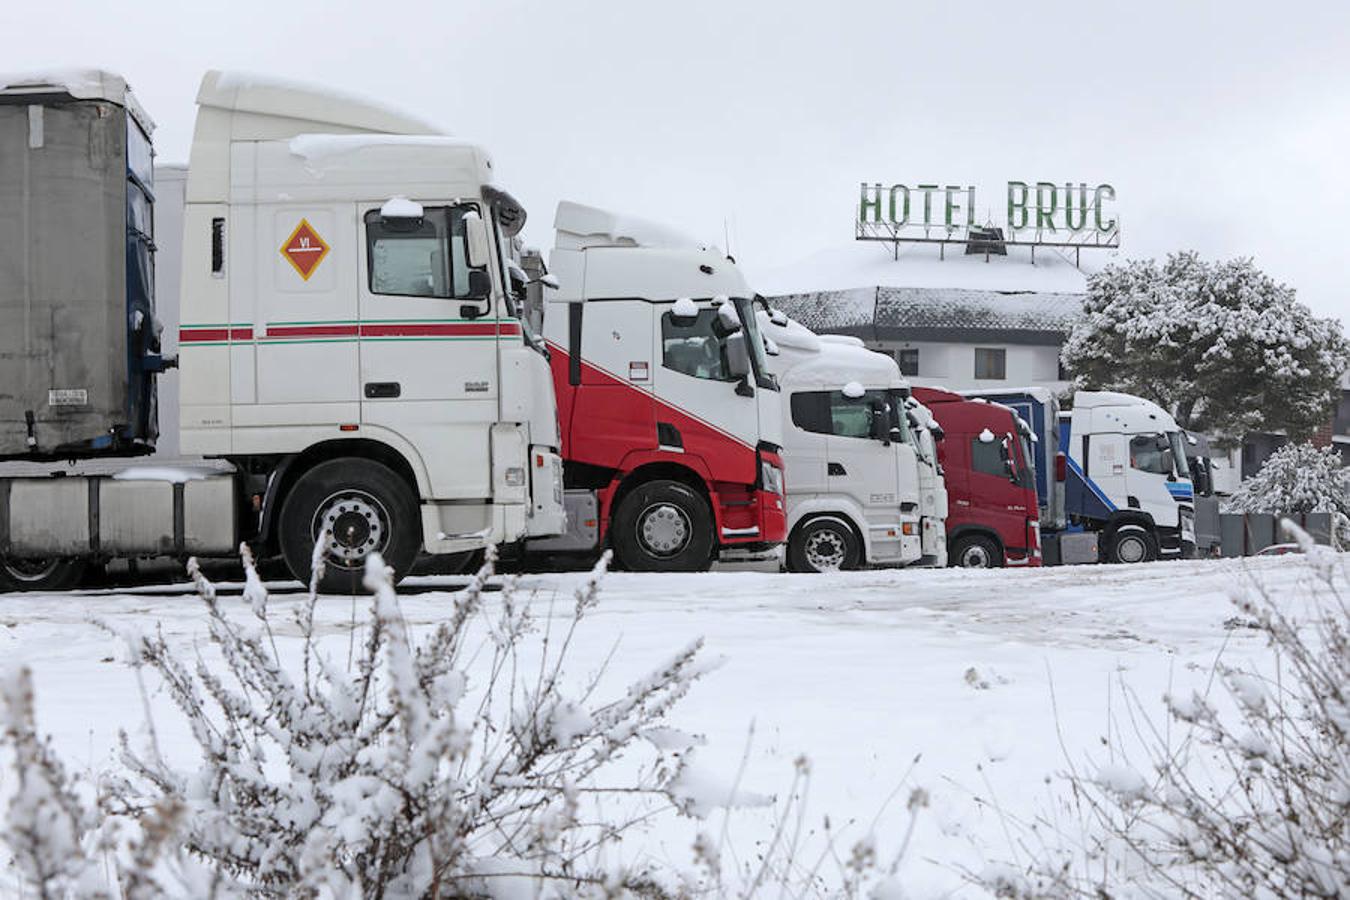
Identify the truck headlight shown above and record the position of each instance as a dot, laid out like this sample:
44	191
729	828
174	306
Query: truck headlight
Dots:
771	477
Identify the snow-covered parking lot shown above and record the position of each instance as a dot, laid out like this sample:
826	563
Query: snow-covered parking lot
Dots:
861	672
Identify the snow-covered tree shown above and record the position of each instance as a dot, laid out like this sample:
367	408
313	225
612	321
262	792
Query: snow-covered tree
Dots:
1222	346
1298	478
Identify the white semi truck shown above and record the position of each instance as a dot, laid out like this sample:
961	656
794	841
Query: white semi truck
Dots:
855	455
349	354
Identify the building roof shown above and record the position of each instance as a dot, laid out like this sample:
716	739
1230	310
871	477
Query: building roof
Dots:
937	314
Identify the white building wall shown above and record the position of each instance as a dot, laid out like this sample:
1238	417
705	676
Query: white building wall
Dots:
952	365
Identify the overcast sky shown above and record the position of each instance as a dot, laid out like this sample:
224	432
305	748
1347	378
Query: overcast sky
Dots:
1225	127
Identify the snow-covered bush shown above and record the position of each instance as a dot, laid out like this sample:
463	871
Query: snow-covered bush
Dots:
1253	798
391	776
1222	346
1298	478
393	773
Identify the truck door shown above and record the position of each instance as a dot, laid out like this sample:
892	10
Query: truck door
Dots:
716	414
859	464
994	466
804	444
428	365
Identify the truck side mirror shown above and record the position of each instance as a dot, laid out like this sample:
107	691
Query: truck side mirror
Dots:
738	363
479	293
477	246
684	312
1008	462
880	423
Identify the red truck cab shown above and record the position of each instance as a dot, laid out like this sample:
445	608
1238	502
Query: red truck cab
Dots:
992	517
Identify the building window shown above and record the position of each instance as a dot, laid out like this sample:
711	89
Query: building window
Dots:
1063	373
908	360
991	363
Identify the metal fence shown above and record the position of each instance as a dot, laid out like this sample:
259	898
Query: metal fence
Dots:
1246	534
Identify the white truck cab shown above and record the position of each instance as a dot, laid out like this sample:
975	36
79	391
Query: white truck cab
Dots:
1128	476
345	311
350	356
853	468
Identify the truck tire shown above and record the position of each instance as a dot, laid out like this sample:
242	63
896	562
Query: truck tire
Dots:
54	574
823	544
975	551
366	507
1130	544
663	526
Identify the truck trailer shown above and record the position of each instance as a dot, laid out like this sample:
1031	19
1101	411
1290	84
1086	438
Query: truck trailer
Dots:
348	351
671	422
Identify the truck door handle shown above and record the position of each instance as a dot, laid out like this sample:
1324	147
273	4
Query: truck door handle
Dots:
382	390
836	470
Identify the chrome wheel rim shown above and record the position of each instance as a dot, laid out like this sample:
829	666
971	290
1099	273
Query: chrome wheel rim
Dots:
31	570
664	529
1131	549
976	556
825	550
357	525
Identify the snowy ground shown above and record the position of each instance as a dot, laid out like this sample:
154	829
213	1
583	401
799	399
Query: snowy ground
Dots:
862	672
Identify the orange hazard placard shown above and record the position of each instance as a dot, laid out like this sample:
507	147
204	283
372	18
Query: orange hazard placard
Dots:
304	249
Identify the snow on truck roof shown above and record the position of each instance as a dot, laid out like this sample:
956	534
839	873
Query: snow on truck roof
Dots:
836	364
278	98
80	84
579	226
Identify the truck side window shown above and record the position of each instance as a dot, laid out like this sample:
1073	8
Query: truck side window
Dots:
694	349
422	258
987	457
830	412
1151	453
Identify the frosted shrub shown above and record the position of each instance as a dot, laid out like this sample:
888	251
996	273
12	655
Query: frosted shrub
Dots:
1299	478
1251	802
393	775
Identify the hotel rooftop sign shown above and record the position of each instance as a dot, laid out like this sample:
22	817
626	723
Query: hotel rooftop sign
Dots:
1039	214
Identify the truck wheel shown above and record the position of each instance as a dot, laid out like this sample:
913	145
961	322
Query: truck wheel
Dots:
1131	544
825	544
663	526
52	574
975	551
365	507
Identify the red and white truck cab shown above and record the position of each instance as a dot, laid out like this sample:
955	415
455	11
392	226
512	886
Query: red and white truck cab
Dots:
671	422
993	517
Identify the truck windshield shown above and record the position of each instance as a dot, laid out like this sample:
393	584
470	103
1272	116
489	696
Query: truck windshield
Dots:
1178	447
758	359
1026	476
900	419
515	301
